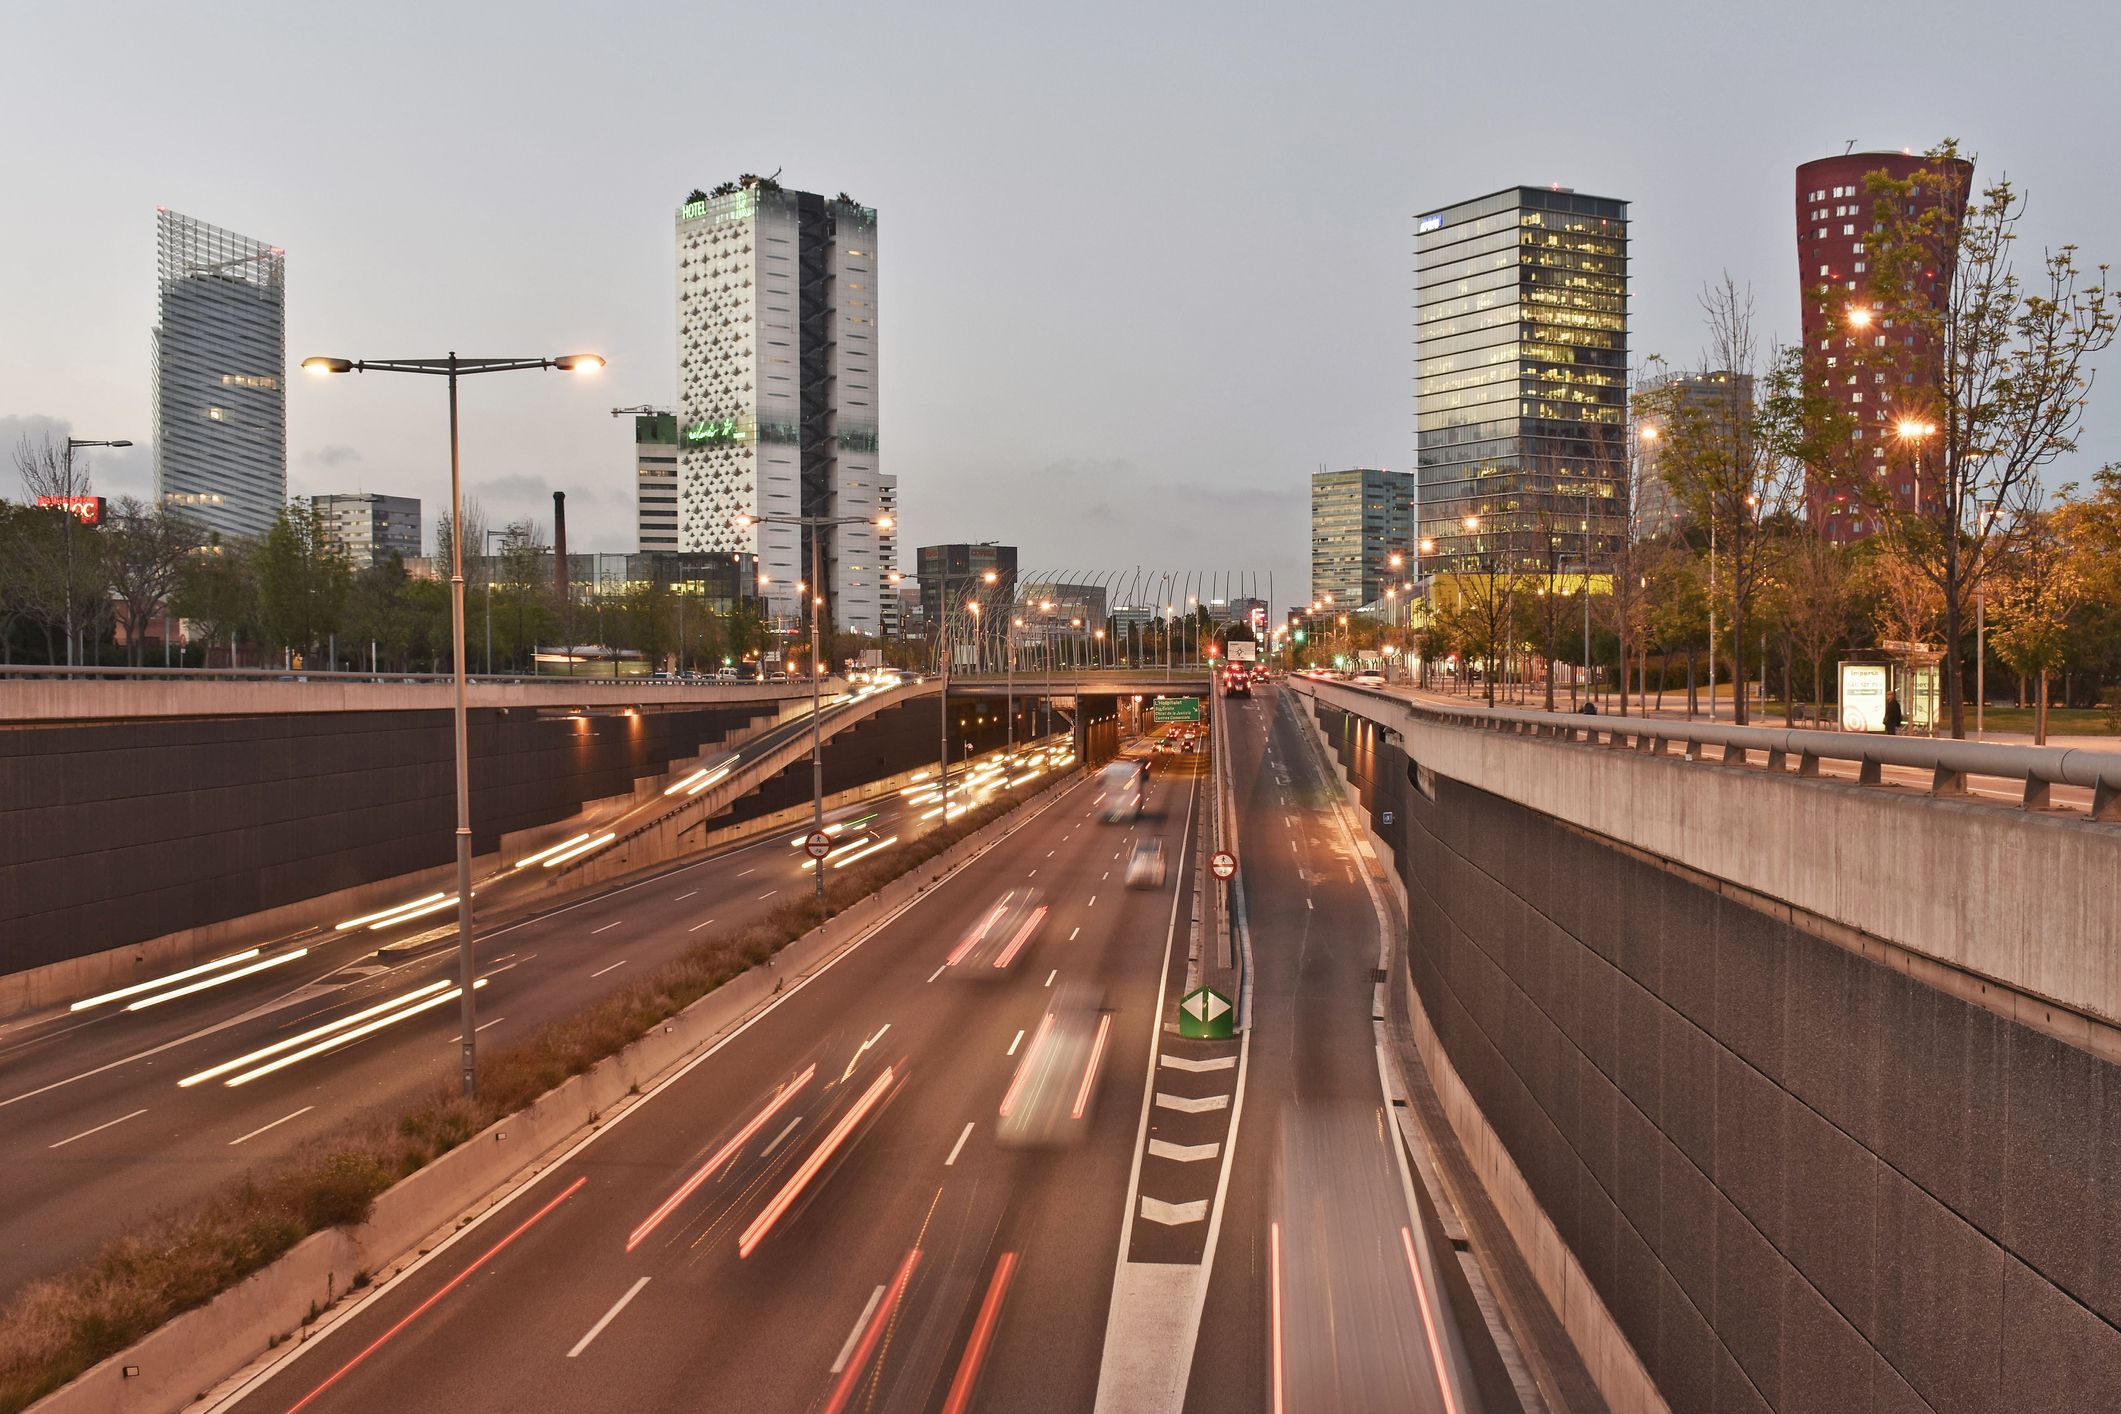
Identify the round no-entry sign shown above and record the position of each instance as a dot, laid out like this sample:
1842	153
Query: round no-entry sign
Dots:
1222	864
818	845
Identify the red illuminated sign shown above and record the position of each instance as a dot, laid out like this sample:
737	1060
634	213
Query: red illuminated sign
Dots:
88	508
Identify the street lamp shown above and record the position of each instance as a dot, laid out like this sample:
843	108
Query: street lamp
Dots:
452	368
942	607
814	589
73	513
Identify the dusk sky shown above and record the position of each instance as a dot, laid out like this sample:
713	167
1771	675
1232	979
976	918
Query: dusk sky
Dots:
1142	267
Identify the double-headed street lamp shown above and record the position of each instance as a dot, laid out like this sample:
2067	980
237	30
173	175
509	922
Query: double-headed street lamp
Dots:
942	608
73	495
453	367
816	592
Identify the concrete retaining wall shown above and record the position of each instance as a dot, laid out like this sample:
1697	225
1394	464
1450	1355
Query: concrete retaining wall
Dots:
1797	1178
199	1349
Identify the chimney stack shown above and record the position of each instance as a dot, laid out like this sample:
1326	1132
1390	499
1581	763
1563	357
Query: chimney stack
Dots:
559	545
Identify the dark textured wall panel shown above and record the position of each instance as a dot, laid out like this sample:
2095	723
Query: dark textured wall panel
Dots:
1799	1180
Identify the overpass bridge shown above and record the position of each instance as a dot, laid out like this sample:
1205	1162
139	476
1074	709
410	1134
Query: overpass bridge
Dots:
1789	1058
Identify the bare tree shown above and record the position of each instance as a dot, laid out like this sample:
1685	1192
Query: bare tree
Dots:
1992	375
1818	593
64	586
147	548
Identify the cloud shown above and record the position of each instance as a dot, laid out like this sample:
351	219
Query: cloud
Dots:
112	471
337	454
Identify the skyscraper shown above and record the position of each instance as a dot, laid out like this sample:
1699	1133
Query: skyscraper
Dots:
220	376
1360	519
1835	216
1521	385
777	388
370	528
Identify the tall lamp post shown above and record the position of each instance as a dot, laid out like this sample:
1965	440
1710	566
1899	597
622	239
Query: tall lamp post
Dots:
73	514
816	593
942	613
452	368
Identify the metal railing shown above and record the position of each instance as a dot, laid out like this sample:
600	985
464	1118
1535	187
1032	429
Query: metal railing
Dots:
59	672
1950	765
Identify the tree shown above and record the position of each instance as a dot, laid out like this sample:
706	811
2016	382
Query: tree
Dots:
62	575
217	590
1991	374
1904	605
303	581
1679	613
1819	589
1475	605
146	549
2039	589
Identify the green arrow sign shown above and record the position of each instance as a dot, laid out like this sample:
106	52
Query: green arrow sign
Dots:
1205	1014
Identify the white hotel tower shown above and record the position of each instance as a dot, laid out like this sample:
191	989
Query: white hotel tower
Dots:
777	400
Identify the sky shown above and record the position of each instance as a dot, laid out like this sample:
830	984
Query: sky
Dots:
1142	268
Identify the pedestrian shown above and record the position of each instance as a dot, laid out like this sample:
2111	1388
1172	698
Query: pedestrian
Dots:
1893	715
1590	707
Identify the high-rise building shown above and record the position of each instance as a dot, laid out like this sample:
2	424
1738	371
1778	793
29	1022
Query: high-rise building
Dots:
1844	336
891	624
1718	404
655	480
968	566
1360	519
369	528
1521	379
220	376
777	388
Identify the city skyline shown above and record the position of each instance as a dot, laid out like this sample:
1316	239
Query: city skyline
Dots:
393	237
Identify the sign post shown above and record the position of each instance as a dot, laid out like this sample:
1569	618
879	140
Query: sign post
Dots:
818	845
1222	864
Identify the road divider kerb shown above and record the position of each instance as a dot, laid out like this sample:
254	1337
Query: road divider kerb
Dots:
223	1345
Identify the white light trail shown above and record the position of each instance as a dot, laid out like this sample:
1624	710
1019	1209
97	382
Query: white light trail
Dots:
861	854
216	1072
581	849
138	987
387	915
216	980
333	1042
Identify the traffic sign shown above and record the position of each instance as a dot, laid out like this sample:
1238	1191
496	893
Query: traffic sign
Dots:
1205	1014
818	845
1175	709
1222	864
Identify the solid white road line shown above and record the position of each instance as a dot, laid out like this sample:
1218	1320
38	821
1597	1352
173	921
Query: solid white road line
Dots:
613	968
1014	1044
274	1125
97	1130
861	1324
607	927
963	1136
607	1318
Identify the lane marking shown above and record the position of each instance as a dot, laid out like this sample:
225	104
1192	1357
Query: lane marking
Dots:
451	1285
1183	1153
607	927
458	1039
1101	878
682	897
1014	1044
97	1130
1092	903
721	1156
1156	1210
752	870
963	1135
1032	875
1187	1105
607	1318
850	1377
776	1141
1198	1066
600	972
1051	975
274	1125
938	972
699	925
839	1362
1072	936
768	894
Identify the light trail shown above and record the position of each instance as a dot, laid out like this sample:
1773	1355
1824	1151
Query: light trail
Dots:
448	901
334	1042
529	859
1274	1294
1023	935
138	987
577	851
388	915
1428	1320
851	1377
713	777
721	1156
1023	1069
990	1312
862	854
972	938
782	1201
1097	1054
216	980
215	1072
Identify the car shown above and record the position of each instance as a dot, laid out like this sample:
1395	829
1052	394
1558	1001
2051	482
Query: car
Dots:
1145	865
778	677
1368	677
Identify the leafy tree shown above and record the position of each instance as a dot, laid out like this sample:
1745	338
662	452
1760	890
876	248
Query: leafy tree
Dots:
302	582
2040	588
146	549
217	592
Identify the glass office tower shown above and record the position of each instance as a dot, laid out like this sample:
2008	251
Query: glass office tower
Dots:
1360	519
1521	384
220	376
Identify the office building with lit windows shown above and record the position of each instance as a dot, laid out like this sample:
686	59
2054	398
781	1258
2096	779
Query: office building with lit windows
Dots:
220	376
655	480
1360	519
777	390
1836	215
367	528
1521	379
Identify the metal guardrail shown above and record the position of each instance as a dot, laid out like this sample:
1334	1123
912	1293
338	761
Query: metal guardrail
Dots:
1949	764
47	672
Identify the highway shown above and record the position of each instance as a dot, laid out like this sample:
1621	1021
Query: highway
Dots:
1314	1302
99	1127
820	1213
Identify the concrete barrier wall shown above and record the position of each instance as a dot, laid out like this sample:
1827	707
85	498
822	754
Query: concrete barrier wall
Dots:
71	702
199	1349
1799	1179
119	833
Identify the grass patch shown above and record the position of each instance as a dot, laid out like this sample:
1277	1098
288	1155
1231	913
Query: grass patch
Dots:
182	1257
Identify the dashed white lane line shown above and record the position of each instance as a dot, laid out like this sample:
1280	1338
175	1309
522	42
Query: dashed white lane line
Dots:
682	897
613	968
458	1039
768	894
1014	1044
937	973
768	1150
1049	854
607	927
752	870
274	1125
1309	904
699	925
1051	975
1092	903
1032	875
861	1323
97	1130
1073	936
965	1134
1101	878
608	1317
1187	1105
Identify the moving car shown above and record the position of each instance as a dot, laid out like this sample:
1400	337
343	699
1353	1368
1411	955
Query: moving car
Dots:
1368	677
1145	865
1124	783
